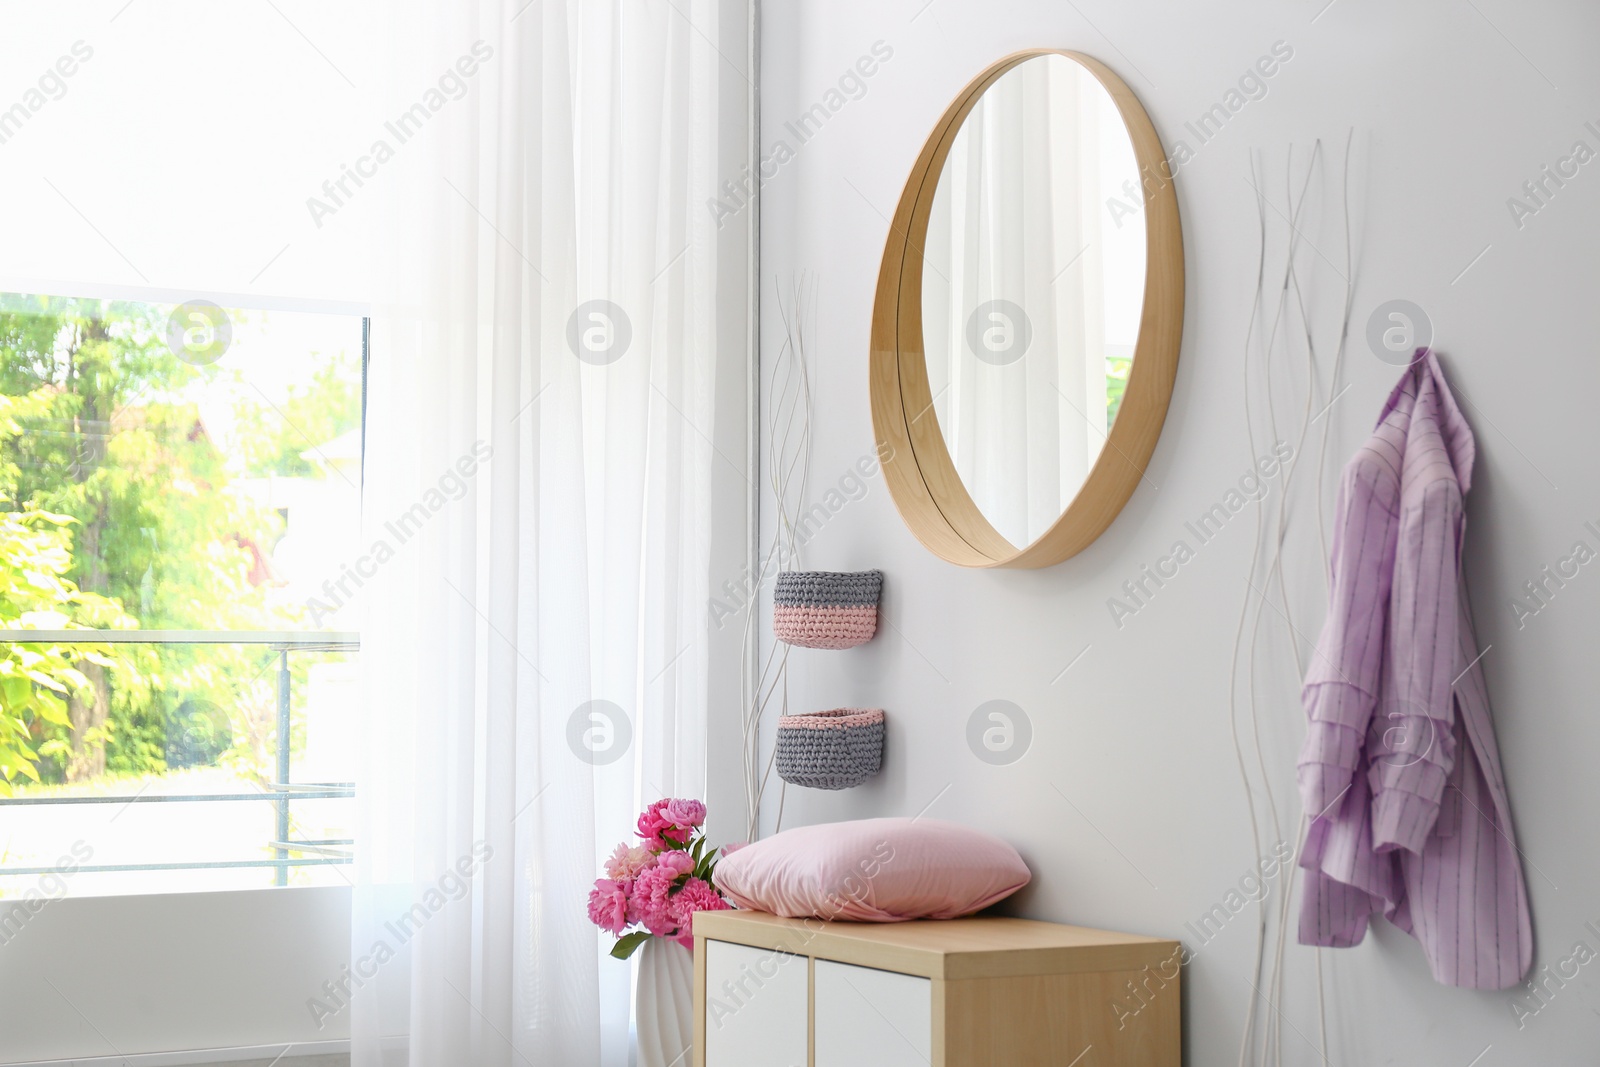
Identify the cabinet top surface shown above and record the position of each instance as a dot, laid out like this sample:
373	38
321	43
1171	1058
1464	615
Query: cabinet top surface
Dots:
939	947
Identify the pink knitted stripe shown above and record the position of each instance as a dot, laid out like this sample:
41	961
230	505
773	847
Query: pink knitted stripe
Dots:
835	719
825	627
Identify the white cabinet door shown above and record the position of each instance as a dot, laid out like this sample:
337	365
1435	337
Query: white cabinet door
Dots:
755	1007
870	1018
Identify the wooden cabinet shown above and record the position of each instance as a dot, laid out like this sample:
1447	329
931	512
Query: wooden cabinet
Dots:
871	1018
978	992
761	1004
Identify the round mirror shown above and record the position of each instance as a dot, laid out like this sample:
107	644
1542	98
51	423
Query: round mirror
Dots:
1029	308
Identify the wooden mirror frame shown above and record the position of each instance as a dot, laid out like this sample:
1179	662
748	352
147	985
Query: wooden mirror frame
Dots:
917	466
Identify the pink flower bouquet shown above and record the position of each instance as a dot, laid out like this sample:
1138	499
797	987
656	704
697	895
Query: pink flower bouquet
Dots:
659	883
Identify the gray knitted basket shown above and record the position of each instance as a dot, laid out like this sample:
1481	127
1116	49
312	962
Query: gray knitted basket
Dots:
826	609
830	749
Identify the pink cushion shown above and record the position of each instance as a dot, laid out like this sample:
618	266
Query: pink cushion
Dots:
873	870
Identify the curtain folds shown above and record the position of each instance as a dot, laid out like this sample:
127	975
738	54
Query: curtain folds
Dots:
1013	307
539	503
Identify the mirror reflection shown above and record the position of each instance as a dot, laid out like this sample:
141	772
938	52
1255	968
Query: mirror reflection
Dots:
1033	285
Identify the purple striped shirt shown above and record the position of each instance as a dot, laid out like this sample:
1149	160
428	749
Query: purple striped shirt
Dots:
1400	771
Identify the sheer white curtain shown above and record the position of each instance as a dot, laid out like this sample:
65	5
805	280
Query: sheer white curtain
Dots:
540	467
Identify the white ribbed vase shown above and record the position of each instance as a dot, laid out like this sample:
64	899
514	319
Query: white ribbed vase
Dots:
665	1010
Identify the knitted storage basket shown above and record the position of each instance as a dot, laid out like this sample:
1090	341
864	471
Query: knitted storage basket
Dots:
830	749
826	609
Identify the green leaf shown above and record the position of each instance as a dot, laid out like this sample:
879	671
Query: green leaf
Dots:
15	692
52	709
45	680
628	944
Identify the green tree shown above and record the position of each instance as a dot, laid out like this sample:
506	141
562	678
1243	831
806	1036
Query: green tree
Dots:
275	439
38	681
1117	368
111	437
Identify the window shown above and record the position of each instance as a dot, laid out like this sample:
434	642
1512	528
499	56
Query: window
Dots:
177	691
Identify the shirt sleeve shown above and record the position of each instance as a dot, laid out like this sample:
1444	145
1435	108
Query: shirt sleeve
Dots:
1341	682
1412	755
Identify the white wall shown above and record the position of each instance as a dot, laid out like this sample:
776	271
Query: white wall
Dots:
1454	108
121	976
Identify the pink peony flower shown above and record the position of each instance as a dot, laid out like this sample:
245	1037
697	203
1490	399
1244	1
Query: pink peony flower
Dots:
608	905
677	862
696	895
685	813
627	861
651	903
659	832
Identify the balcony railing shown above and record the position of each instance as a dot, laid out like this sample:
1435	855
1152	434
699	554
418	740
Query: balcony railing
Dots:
282	793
